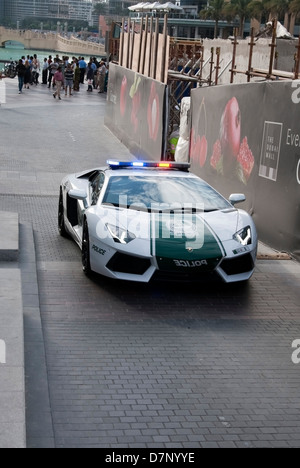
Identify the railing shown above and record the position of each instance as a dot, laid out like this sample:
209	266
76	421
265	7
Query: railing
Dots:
74	41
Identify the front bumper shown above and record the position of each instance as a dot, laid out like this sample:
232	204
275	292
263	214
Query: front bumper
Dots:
140	269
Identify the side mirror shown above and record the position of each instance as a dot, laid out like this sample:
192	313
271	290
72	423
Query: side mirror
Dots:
236	198
79	195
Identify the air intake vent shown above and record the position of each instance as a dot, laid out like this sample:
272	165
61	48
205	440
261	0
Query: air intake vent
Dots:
122	263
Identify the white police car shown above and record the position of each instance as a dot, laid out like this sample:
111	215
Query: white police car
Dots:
141	220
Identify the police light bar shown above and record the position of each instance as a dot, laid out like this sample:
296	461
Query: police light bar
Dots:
115	164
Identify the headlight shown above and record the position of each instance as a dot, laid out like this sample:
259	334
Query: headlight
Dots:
244	236
119	235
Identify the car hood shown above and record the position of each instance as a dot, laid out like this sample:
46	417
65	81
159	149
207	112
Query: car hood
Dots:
196	238
180	227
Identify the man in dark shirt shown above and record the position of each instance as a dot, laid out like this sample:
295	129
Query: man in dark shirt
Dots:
21	69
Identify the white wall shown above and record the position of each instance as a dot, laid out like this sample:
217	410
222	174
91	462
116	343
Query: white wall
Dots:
261	57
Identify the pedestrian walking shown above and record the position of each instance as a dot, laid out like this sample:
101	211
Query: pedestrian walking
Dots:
69	79
27	76
52	70
35	70
76	77
101	77
58	79
90	78
82	66
21	70
45	71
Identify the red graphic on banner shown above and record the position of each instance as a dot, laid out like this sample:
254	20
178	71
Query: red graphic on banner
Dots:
230	133
230	156
153	113
246	158
198	148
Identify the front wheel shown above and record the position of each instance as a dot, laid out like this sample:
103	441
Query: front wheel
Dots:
86	259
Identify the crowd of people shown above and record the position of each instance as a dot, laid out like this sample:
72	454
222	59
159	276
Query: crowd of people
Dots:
62	74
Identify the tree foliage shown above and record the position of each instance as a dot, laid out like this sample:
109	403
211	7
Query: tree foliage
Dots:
248	9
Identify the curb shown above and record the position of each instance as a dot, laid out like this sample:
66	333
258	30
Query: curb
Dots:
267	253
40	432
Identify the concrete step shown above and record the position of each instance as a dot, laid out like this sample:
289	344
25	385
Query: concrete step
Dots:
12	379
9	236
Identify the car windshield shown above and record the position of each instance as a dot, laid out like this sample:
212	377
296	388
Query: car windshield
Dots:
163	194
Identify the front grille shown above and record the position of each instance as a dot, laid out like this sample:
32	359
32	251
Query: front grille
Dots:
122	263
181	277
238	265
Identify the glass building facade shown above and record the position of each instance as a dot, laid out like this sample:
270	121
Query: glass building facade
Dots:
17	10
199	3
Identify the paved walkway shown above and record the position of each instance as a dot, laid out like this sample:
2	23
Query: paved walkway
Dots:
12	378
118	365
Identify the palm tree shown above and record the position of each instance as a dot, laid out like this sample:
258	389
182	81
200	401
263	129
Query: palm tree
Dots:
295	12
238	8
214	11
259	9
279	7
295	7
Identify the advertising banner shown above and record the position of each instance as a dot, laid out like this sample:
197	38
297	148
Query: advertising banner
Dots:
135	112
246	139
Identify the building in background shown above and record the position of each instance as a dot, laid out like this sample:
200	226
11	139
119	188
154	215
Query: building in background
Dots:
13	11
199	4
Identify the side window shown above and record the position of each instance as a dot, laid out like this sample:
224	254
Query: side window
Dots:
97	185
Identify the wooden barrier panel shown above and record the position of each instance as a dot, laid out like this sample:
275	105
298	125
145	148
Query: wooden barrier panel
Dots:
144	50
245	139
136	112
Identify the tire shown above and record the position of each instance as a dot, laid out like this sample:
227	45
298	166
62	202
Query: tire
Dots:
61	221
86	259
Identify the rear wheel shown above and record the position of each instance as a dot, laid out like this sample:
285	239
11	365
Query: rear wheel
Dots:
61	219
86	262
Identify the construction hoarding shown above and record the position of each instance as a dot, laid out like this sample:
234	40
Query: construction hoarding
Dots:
246	139
135	112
